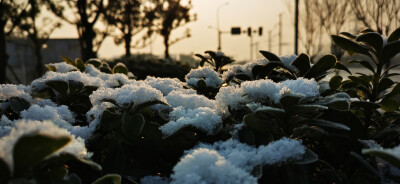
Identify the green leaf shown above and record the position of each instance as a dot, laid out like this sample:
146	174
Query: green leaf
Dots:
201	84
270	56
80	65
51	67
302	62
32	149
120	68
323	65
394	36
386	155
68	60
389	105
94	62
340	66
247	136
5	173
132	125
373	39
384	84
109	179
335	82
326	124
307	108
390	50
349	45
59	86
256	70
364	163
367	30
18	104
109	120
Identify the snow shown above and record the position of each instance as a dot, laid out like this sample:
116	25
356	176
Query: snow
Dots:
231	161
136	92
203	118
10	90
207	166
165	85
246	69
210	76
154	180
190	101
231	96
75	75
267	89
63	67
29	127
110	80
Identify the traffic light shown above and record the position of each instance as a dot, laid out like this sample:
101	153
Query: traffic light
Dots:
249	31
260	31
236	30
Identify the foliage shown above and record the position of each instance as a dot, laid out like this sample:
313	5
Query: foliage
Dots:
275	120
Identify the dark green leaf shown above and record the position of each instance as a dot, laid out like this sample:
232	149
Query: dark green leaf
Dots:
68	60
132	125
390	50
349	45
307	158
109	120
18	104
367	30
80	65
386	155
302	62
211	53
109	179
326	124
243	77
256	122
335	82
270	56
349	35
366	64
373	39
394	36
148	104
340	66
51	68
120	68
340	105
201	84
59	86
389	105
256	70
5	173
365	104
364	163
323	65
384	84
247	136
38	146
289	100
94	62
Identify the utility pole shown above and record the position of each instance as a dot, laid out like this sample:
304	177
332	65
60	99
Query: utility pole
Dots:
270	40
296	27
249	32
218	27
280	34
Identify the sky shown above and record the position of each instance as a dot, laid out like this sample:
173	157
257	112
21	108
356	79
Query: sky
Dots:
238	13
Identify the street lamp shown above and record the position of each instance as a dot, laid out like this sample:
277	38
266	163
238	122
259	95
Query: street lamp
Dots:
218	27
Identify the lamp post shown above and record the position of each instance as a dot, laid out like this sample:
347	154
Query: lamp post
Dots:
218	28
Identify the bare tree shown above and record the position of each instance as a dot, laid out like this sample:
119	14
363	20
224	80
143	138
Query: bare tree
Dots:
85	13
311	28
333	15
11	13
38	32
381	15
168	15
128	17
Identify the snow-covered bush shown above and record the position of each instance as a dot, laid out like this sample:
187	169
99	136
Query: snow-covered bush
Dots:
273	120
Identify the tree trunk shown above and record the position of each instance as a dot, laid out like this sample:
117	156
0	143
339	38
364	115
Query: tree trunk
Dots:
128	39
3	55
166	44
87	42
39	58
